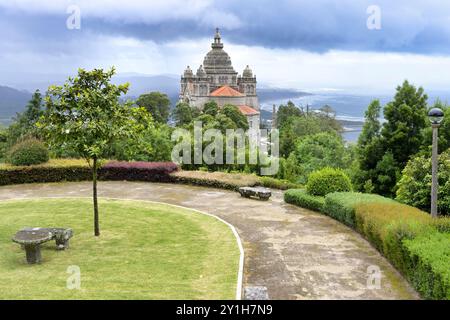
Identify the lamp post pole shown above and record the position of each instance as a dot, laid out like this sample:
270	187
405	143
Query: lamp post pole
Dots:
434	169
436	116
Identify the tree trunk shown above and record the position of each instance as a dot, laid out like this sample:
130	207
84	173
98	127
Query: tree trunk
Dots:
94	194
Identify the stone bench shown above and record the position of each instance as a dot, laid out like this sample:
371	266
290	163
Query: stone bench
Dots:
32	238
259	192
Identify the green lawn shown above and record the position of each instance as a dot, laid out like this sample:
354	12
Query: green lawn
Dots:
145	251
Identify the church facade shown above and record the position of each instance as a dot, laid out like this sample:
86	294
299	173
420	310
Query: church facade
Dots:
216	80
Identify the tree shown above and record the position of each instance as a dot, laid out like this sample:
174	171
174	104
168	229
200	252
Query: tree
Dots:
183	114
236	116
372	125
157	104
415	184
211	108
406	117
24	123
85	115
285	112
318	151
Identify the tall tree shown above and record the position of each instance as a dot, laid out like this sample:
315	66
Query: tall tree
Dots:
85	115
211	108
24	123
235	115
406	117
286	112
157	104
183	114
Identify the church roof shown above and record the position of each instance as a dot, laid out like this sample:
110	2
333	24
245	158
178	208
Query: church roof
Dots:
248	111
226	91
217	61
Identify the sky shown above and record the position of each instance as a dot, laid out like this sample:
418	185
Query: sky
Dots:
344	45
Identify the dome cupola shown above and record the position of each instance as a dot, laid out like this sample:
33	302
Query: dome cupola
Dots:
217	61
188	72
248	73
201	72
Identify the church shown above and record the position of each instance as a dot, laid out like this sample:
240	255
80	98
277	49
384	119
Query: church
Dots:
217	80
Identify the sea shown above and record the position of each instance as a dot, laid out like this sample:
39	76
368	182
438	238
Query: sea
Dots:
349	107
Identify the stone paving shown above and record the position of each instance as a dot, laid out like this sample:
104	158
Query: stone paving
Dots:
293	252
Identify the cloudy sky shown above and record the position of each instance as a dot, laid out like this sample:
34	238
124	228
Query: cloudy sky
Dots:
309	45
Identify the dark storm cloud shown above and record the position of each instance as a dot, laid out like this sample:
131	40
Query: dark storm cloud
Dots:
407	26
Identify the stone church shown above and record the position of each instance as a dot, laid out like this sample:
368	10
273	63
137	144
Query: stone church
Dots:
216	80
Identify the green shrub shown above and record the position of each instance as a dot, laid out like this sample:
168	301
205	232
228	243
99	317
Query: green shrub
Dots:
415	184
222	180
428	264
341	205
301	198
273	183
328	180
28	152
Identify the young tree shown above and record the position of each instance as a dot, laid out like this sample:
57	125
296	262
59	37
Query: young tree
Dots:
85	115
157	104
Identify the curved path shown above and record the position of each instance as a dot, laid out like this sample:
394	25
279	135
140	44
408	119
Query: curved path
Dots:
295	253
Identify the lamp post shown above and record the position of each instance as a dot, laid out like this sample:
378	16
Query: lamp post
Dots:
435	115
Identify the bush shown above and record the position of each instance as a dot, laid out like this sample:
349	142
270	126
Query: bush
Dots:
301	198
414	186
270	182
231	181
328	180
138	171
28	152
52	171
428	264
411	240
341	205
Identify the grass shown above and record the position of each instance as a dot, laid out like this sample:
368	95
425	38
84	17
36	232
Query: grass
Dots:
145	251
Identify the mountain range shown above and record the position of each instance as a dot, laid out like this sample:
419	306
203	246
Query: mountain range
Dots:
14	96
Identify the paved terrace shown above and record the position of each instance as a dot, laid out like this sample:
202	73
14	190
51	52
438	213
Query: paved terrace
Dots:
293	252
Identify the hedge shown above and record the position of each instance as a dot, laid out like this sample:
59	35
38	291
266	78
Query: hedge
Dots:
78	170
429	264
138	171
415	243
302	199
341	205
222	180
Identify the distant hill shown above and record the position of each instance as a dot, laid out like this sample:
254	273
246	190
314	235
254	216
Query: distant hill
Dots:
11	102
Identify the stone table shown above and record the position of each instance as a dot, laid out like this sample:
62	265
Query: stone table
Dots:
31	240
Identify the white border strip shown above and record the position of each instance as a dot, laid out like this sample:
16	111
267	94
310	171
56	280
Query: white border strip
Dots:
233	229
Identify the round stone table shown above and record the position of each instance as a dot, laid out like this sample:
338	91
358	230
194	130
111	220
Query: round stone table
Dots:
31	240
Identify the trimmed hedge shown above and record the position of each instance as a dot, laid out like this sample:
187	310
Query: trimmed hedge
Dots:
302	199
341	205
52	171
138	171
270	182
222	180
415	243
78	170
328	180
428	265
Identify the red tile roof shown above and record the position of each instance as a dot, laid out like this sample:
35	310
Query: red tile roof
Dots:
248	111
226	91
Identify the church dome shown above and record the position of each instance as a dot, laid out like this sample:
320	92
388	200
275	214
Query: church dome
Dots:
201	72
247	72
217	60
188	72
